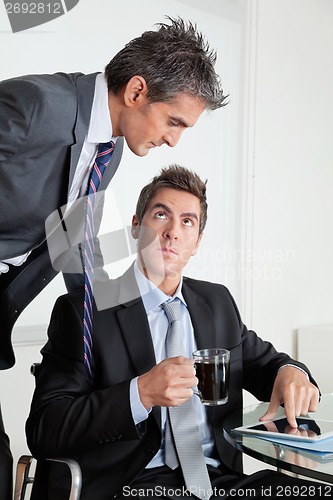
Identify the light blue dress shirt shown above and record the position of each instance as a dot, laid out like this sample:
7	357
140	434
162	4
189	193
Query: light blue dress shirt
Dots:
152	298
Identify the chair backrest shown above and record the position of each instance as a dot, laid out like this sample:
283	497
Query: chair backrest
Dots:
22	476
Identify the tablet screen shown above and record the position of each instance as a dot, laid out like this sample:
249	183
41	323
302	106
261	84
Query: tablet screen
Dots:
308	429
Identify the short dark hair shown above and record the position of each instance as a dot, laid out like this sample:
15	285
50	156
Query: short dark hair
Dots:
175	177
174	59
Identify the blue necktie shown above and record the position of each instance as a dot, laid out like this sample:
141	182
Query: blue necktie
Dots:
101	161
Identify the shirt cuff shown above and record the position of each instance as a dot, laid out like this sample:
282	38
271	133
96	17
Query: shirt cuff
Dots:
294	366
139	412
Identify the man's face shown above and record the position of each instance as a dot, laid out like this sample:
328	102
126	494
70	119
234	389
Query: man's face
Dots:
168	235
146	126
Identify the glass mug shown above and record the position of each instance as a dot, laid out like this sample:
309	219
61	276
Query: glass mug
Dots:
213	372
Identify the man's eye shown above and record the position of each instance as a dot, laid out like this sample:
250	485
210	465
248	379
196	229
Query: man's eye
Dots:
174	124
188	222
160	215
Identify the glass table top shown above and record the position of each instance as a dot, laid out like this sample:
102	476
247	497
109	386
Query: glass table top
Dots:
293	459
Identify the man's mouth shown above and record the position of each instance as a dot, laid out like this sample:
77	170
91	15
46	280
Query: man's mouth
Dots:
168	250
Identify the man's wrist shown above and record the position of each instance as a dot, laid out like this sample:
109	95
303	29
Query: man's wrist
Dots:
139	412
294	366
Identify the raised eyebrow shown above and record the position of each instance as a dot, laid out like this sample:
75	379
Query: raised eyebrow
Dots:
161	206
191	215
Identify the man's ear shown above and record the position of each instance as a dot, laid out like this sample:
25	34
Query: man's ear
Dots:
135	227
135	91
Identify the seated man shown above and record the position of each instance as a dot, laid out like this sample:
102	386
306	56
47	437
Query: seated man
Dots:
116	422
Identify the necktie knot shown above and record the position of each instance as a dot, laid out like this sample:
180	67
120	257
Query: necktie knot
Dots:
103	157
172	310
105	150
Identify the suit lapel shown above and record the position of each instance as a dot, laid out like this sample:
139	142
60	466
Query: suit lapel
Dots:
134	324
85	85
202	319
113	165
135	329
205	333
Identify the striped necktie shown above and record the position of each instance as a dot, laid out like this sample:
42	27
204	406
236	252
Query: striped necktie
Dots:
182	438
101	161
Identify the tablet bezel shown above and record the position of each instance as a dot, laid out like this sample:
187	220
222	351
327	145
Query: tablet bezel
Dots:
250	430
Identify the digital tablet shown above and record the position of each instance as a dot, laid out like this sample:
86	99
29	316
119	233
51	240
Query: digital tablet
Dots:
309	430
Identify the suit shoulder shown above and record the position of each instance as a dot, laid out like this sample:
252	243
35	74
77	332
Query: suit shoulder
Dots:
202	287
24	97
36	88
40	80
103	294
215	295
69	300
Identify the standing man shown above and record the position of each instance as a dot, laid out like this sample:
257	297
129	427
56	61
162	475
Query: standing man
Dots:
51	127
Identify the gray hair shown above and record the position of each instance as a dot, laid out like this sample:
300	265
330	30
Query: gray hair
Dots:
174	59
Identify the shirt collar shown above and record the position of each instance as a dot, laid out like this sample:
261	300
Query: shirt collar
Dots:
100	127
151	295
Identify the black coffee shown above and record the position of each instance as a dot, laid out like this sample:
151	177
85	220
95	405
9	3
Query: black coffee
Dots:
213	382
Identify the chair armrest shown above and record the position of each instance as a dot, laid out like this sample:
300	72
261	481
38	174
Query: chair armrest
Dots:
76	476
23	478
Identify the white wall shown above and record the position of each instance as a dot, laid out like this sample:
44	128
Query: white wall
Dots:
290	170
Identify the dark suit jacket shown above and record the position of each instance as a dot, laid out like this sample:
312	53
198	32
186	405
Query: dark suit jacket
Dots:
90	419
43	123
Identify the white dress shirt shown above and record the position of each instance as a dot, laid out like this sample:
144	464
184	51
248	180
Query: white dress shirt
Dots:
99	131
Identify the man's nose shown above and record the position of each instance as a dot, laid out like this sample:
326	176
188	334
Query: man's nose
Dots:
171	232
171	138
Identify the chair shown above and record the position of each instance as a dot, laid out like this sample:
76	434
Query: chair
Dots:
23	477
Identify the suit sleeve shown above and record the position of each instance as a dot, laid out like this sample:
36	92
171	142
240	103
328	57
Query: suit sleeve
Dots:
25	124
82	415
